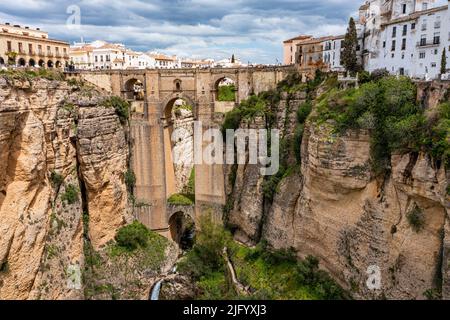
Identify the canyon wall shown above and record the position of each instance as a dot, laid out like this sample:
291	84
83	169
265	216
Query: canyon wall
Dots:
62	161
333	208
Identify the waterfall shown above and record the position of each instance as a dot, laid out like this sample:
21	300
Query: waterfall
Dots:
155	291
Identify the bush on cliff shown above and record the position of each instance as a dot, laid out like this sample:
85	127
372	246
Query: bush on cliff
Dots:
121	106
70	195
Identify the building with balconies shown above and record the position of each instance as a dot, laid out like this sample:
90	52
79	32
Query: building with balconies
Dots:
27	47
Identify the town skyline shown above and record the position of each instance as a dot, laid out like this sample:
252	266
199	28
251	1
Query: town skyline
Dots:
252	30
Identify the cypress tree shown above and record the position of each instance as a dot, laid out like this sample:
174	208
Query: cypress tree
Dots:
443	62
349	59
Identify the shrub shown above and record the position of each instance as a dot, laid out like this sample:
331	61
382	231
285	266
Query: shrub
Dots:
303	112
379	74
133	236
121	107
181	199
205	258
416	219
70	195
130	180
56	179
232	120
227	93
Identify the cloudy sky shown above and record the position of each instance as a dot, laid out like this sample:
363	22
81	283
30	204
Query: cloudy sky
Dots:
252	29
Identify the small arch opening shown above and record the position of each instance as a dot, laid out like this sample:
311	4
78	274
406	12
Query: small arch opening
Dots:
22	62
225	90
32	63
182	230
2	61
134	90
41	63
50	64
177	85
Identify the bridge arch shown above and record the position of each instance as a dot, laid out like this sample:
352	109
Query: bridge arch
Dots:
182	225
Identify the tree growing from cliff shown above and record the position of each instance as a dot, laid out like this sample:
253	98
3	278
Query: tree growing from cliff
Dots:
443	62
349	59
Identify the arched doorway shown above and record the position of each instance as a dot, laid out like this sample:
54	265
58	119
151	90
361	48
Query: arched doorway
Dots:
58	64
41	63
50	64
225	90
182	230
178	126
2	61
134	90
32	63
22	62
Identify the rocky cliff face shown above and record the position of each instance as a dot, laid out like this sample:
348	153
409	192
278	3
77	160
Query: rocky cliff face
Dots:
61	155
334	209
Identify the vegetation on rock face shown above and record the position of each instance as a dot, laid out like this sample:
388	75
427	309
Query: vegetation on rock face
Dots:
130	181
270	274
121	106
387	107
70	195
29	74
120	271
180	199
443	62
56	180
416	219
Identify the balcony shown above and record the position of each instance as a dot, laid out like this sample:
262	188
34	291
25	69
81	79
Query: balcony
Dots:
424	43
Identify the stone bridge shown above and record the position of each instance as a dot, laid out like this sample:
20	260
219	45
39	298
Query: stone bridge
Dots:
151	110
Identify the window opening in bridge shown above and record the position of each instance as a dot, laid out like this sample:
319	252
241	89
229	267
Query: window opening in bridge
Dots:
178	85
226	90
134	90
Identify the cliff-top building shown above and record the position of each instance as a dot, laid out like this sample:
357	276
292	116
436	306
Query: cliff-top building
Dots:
26	47
405	37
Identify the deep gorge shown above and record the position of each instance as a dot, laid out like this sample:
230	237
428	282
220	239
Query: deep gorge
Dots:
64	199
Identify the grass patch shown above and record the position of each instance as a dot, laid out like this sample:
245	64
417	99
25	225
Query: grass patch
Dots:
181	199
56	180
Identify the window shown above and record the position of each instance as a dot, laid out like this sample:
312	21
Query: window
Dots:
20	47
422	55
393	45
48	48
424	6
405	29
402	71
424	26
384	44
404	8
96	58
423	40
394	32
30	48
433	64
404	44
9	46
437	25
437	38
413	26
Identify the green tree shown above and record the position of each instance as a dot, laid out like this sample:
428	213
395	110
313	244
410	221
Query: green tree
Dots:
349	59
443	62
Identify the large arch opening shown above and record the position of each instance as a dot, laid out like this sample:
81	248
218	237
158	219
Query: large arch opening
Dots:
182	230
178	124
22	62
41	63
134	90
50	64
58	64
225	90
32	63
